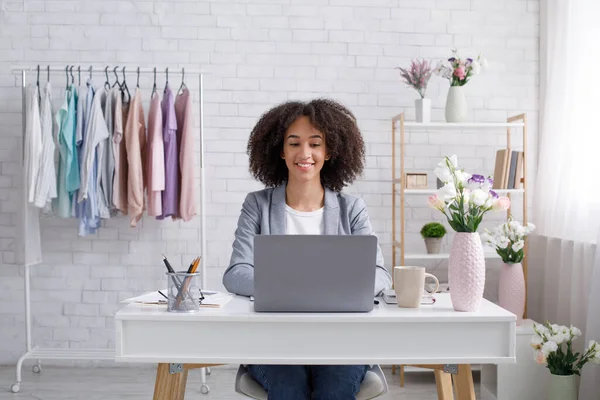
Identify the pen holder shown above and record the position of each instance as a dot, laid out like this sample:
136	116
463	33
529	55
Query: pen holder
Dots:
184	292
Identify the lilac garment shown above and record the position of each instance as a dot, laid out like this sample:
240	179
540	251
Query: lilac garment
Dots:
170	196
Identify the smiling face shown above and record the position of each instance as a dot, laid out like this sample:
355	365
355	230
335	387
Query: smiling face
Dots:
304	151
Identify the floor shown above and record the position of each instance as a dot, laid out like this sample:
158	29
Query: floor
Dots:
137	383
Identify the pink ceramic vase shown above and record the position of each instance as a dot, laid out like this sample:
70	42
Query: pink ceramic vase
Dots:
511	290
466	271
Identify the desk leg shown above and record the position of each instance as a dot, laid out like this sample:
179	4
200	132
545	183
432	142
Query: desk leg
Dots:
443	382
463	383
169	386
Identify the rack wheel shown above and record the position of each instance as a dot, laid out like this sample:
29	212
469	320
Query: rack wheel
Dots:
36	368
15	388
204	389
208	371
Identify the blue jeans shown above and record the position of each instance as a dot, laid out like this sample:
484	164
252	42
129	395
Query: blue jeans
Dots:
317	382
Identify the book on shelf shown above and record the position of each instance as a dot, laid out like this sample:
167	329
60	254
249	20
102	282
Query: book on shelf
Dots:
508	169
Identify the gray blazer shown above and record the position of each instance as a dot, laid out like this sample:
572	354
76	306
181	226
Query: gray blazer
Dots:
263	213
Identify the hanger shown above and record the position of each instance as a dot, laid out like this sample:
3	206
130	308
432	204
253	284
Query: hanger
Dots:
107	83
167	82
79	75
38	76
91	69
48	68
138	77
124	85
154	86
72	77
183	85
117	78
67	75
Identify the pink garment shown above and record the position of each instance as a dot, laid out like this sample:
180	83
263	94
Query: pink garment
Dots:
135	143
120	182
185	138
156	158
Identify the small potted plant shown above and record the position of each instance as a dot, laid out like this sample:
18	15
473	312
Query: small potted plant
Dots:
554	348
433	232
417	76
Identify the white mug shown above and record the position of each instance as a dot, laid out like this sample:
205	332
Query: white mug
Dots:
409	284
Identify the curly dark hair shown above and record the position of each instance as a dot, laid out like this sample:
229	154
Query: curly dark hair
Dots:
343	140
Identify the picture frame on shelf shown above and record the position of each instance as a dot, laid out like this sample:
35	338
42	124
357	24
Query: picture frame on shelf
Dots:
416	180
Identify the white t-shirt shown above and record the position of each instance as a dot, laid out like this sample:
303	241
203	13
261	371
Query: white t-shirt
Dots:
304	222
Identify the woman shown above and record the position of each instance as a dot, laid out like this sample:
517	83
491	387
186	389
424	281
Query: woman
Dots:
305	154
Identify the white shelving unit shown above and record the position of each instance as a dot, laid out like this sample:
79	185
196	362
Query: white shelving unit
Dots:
399	126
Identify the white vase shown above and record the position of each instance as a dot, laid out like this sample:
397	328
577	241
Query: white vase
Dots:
563	387
423	110
466	271
456	105
511	289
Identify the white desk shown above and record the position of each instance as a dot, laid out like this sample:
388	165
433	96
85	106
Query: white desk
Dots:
235	334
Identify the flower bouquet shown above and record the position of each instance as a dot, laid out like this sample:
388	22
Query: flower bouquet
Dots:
417	76
508	240
553	347
464	200
458	71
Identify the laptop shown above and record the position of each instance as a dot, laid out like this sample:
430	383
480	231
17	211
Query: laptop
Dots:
314	273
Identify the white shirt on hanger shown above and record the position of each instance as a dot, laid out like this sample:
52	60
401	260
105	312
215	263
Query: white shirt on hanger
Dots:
33	141
31	247
45	189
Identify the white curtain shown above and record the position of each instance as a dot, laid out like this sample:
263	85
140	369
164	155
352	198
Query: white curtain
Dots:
564	264
567	203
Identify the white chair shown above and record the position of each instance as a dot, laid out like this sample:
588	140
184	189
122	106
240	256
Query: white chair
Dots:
374	385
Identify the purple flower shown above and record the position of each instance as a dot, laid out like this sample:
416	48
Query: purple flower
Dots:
452	59
477	179
494	194
470	60
490	181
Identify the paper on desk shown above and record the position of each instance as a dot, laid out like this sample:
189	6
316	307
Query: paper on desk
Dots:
389	296
211	298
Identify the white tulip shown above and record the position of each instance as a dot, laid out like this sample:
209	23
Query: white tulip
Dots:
453	159
559	338
479	197
462	177
536	342
541	329
443	174
549	347
476	67
502	242
447	192
518	245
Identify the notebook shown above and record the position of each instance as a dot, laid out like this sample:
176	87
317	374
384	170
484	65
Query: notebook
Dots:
389	296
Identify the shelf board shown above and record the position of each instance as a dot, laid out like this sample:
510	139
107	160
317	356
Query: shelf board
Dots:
433	191
487	251
440	256
464	125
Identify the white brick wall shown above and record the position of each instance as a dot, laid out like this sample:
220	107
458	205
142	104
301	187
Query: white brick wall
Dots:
255	54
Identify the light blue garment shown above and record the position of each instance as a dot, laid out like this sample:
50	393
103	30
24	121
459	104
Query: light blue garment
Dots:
66	176
71	125
263	213
87	209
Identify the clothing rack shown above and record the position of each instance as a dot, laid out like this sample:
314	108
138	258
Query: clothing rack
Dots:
38	353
